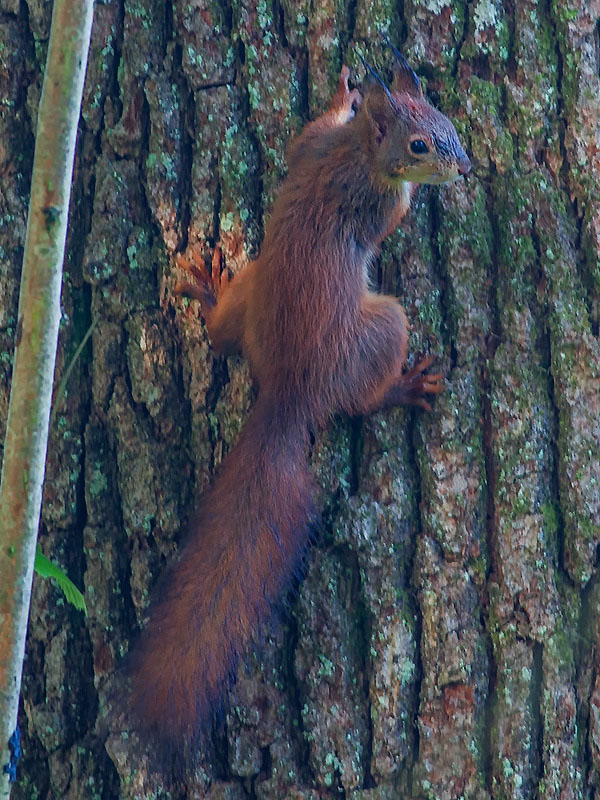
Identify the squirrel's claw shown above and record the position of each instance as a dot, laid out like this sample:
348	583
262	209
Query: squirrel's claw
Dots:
207	285
416	384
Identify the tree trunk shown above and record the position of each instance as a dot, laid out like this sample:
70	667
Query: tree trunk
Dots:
443	643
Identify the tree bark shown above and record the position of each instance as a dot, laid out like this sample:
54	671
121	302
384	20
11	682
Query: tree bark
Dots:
444	641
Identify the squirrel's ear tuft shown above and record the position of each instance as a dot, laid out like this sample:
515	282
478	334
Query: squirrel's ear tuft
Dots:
405	78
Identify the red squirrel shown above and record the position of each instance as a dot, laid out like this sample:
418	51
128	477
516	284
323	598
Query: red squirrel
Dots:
318	342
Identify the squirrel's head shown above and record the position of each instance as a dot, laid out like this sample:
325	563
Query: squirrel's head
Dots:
411	140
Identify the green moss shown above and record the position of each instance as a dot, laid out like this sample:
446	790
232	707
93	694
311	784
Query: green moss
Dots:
550	515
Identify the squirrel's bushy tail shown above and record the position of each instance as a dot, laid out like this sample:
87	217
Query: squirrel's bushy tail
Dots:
248	539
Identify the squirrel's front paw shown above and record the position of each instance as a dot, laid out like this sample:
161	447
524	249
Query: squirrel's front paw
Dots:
344	100
207	285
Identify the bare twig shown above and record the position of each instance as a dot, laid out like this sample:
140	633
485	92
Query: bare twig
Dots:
35	352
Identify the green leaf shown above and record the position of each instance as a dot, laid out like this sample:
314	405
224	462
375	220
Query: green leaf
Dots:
47	569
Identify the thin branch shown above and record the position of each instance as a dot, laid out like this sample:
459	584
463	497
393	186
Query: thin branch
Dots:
35	351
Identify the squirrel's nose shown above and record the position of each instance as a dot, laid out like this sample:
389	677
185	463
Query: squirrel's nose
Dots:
464	166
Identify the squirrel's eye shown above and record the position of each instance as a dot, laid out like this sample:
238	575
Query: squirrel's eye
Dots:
418	147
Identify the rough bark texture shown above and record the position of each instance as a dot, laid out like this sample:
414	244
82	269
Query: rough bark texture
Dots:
445	641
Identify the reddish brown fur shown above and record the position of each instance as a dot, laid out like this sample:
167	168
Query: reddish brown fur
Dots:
215	596
318	342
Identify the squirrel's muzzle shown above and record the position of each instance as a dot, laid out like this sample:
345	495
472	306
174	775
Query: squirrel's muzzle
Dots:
464	165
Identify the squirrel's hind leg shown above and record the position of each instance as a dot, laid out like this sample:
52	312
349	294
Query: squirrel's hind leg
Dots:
413	386
374	378
343	102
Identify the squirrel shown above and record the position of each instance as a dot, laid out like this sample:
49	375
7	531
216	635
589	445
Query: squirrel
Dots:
318	342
